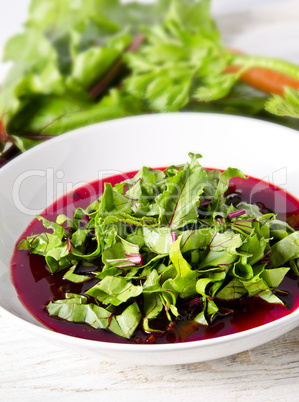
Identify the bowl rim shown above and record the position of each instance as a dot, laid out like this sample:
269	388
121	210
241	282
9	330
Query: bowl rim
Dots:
172	115
42	329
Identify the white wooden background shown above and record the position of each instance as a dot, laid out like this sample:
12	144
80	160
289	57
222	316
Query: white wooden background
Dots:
33	370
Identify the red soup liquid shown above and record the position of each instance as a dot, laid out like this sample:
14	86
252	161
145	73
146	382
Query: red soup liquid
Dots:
36	286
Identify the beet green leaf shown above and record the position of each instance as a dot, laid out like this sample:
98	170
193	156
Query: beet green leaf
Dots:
160	241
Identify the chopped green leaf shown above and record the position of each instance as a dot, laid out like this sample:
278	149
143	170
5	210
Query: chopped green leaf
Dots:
184	242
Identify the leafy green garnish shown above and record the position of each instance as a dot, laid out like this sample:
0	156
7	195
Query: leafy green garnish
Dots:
177	241
75	309
287	106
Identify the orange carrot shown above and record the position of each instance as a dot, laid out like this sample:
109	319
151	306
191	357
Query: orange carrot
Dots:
265	80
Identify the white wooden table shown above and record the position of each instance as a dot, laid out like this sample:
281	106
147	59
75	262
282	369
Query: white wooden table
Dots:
33	370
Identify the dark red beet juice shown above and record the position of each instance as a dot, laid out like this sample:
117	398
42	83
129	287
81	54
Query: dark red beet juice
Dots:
36	286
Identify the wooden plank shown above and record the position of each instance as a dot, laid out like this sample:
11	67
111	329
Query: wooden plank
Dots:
35	369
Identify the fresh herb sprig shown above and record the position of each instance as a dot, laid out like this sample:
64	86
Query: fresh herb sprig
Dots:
160	238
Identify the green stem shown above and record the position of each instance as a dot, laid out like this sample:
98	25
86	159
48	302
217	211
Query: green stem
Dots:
281	66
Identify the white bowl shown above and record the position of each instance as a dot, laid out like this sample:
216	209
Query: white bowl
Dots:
34	180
